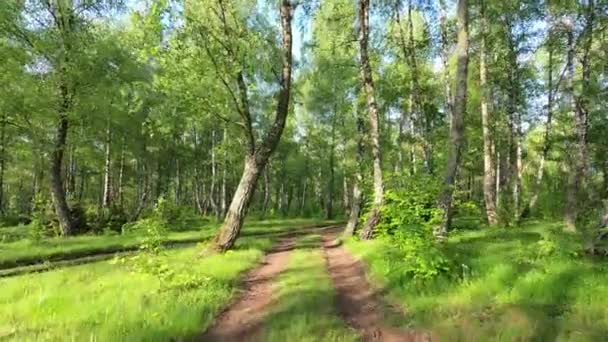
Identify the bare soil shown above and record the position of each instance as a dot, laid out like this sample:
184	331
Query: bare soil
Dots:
243	319
357	301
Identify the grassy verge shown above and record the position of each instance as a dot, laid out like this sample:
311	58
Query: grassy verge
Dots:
305	296
499	289
173	297
27	252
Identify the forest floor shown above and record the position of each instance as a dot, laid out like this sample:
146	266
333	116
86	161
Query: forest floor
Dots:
356	301
24	255
290	281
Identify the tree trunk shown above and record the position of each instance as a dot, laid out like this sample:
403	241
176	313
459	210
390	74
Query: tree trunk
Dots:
280	198
488	169
514	114
498	175
374	120
546	139
517	185
238	207
2	160
580	108
416	104
416	92
573	181
256	162
457	125
289	200
57	190
267	195
331	180
178	181
303	200
107	178
345	196
223	199
445	61
355	211
121	174
212	191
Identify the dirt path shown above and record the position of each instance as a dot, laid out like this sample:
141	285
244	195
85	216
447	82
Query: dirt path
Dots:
242	320
357	301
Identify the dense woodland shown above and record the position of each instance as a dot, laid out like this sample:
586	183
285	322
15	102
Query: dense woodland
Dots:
453	153
497	108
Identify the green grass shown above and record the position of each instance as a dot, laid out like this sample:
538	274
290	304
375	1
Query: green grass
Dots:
305	297
110	301
27	252
499	289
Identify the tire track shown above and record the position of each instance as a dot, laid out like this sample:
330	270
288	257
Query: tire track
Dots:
357	301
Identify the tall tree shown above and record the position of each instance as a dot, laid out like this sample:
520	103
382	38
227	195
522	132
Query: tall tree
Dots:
580	107
548	125
355	210
257	155
489	186
374	120
457	120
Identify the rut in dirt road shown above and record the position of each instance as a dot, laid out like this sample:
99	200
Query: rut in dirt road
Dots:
243	320
357	302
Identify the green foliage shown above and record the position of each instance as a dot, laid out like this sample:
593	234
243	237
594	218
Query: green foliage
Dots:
166	211
412	208
107	302
42	219
498	296
423	258
408	217
155	233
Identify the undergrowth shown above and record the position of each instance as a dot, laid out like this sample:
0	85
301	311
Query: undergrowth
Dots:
527	284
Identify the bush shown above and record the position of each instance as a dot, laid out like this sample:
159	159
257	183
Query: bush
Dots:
555	243
13	220
413	207
167	210
112	218
407	218
156	222
423	259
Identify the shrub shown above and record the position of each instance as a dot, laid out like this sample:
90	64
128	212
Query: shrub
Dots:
423	259
407	218
167	210
112	218
555	243
412	207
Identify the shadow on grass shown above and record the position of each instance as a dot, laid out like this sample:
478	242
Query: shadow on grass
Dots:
499	289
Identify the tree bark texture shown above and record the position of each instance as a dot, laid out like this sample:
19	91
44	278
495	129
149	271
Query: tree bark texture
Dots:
457	123
579	173
107	170
374	120
546	139
256	161
57	187
355	210
489	187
